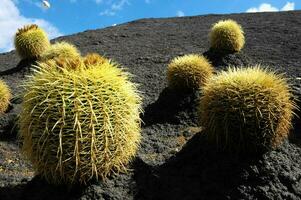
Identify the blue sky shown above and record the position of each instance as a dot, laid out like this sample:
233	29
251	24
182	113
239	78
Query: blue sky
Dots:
65	17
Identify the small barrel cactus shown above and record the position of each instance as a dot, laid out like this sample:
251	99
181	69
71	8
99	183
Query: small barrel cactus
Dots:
63	63
92	59
31	41
78	125
247	110
188	72
61	50
227	36
5	96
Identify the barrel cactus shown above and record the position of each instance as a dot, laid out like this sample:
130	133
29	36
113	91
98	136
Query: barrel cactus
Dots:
188	72
5	96
81	124
61	50
31	41
61	63
227	36
247	110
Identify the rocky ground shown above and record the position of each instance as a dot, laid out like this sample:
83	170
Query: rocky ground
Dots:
174	161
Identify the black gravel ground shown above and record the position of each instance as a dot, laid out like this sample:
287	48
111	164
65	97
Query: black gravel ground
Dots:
174	161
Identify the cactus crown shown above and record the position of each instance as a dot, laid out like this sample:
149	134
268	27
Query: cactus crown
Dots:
63	63
227	36
5	96
94	59
247	110
78	126
27	28
188	72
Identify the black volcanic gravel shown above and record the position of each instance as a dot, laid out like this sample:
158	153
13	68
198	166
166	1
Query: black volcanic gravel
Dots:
174	161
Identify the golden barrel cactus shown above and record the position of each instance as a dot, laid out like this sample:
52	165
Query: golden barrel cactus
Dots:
188	72
227	36
247	110
61	50
31	41
82	124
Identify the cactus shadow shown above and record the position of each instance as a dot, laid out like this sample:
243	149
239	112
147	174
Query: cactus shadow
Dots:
222	60
8	126
295	137
171	107
38	188
23	65
198	171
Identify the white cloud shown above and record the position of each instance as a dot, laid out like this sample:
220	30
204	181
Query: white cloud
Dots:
75	1
119	5
11	19
98	1
288	6
107	12
180	13
265	7
116	6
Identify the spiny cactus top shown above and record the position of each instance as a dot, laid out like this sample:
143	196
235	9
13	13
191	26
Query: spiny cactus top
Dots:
247	109
92	59
31	41
227	36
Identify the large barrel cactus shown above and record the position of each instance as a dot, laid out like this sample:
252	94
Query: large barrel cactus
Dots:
81	124
247	110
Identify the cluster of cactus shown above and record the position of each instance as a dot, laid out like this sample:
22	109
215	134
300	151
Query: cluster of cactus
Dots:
243	110
227	36
80	115
5	97
31	41
246	110
190	72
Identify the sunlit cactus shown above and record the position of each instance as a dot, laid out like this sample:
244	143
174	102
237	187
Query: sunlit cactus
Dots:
31	41
78	125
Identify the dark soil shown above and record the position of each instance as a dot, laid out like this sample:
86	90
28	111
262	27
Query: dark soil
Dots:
174	161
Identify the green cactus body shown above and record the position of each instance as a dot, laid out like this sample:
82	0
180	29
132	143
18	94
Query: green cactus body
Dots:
246	110
5	96
81	124
31	41
227	36
61	50
189	72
